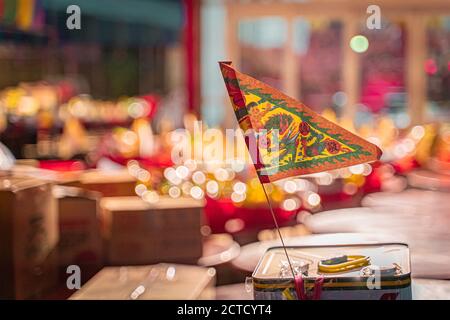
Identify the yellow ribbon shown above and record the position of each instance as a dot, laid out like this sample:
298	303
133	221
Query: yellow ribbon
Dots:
353	262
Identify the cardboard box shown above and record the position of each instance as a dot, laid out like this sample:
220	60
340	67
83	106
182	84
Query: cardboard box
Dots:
80	241
22	170
109	184
28	238
157	282
138	232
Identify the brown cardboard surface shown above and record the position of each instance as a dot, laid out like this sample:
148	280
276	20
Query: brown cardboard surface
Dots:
138	232
156	282
113	184
79	224
28	237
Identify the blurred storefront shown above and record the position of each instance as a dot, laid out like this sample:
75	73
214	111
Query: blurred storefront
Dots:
303	48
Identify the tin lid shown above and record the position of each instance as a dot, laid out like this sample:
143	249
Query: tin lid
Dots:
306	259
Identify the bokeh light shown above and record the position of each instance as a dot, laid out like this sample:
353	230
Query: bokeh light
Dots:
359	44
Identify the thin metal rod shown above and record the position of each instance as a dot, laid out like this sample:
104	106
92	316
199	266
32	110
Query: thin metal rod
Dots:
279	232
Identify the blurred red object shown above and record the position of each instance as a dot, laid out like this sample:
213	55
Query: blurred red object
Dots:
159	161
374	179
66	90
153	102
218	212
62	165
405	165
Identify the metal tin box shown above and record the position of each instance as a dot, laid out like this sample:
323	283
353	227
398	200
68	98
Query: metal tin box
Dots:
345	272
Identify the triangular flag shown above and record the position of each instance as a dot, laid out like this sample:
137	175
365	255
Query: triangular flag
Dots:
295	140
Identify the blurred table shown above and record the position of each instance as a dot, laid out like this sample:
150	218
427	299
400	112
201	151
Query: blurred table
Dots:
418	218
426	179
429	289
218	252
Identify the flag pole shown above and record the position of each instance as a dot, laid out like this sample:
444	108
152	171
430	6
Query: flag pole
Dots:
279	232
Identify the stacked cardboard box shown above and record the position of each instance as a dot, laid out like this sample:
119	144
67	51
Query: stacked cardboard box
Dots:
157	282
28	238
109	184
138	232
79	226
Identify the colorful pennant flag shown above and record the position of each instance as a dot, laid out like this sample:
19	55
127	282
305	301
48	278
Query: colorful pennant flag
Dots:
291	139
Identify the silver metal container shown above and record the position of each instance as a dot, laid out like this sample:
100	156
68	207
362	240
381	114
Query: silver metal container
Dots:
345	272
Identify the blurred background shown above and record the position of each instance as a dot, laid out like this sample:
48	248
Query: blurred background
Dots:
92	112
